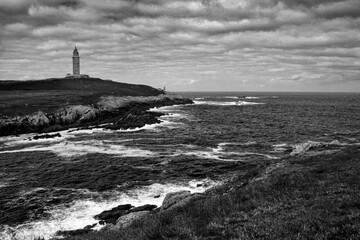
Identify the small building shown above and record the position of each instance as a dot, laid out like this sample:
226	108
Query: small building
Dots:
76	66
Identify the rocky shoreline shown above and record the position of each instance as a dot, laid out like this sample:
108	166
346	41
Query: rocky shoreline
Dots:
109	112
123	216
304	196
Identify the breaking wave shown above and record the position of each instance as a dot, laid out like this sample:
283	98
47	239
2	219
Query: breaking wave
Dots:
69	149
315	146
217	103
221	153
80	212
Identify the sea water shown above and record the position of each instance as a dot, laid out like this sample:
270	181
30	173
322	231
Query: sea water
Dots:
47	185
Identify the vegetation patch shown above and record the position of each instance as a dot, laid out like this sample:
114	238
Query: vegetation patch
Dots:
303	197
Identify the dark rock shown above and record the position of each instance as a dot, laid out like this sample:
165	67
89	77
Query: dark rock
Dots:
46	136
178	199
90	226
112	215
125	221
123	207
147	207
113	219
109	216
73	232
157	196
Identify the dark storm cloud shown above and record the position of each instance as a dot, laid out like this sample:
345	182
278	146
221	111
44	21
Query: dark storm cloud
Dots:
305	3
342	9
325	8
61	3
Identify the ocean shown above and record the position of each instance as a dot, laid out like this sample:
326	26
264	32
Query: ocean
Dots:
47	185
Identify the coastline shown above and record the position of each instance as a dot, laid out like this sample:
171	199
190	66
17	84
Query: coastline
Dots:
273	199
282	198
110	112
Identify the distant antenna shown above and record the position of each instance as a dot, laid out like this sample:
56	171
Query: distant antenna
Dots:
164	89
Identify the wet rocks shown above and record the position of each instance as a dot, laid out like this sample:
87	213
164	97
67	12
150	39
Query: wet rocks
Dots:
46	136
110	216
76	232
147	207
121	112
123	215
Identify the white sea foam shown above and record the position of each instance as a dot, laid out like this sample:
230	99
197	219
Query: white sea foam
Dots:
68	149
166	109
165	123
10	141
219	153
222	156
281	147
80	213
62	146
137	129
29	137
231	97
200	154
306	146
217	103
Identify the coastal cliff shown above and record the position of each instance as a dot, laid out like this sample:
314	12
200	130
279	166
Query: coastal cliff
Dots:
41	106
110	112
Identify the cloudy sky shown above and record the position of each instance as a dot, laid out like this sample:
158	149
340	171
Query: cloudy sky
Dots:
208	45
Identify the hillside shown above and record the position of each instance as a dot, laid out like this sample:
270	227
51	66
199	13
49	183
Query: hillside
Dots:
81	84
26	97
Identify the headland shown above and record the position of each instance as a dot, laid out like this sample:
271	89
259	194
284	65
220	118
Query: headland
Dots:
61	103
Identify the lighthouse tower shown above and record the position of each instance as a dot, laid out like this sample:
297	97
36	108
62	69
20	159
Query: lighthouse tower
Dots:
76	66
76	62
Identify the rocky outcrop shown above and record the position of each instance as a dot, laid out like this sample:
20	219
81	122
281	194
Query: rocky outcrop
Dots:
110	216
178	199
73	114
77	232
118	112
126	220
110	102
123	216
147	207
38	118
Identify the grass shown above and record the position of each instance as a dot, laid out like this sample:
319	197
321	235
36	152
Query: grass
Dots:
312	197
26	97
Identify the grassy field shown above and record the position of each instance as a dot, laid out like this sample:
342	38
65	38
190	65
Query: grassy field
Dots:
25	97
312	197
22	102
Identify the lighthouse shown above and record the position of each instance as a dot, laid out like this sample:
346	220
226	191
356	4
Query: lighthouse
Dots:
76	66
76	62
